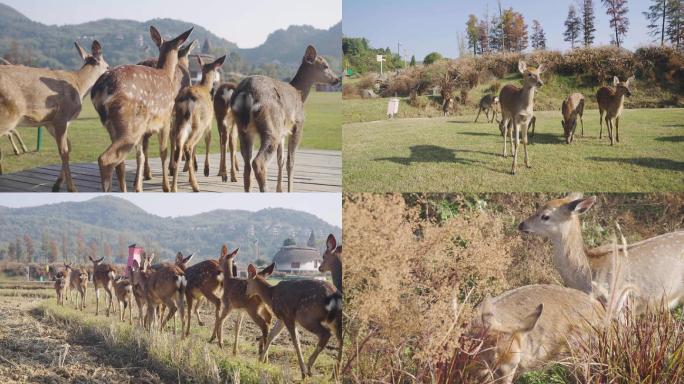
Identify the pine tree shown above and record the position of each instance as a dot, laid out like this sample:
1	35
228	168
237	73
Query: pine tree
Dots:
30	250
472	33
53	252
656	17
617	10
483	35
572	26
495	35
588	22
538	38
413	61
674	29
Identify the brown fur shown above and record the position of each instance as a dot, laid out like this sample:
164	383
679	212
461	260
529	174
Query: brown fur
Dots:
36	97
79	283
611	102
60	289
124	295
103	277
205	279
488	103
572	108
227	129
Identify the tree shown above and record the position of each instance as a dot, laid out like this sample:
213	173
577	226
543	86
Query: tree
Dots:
617	11
573	25
45	245
483	35
674	29
65	246
81	252
538	38
432	57
53	253
106	249
515	37
495	35
588	22
472	33
413	61
93	249
288	242
656	17
19	252
30	250
12	251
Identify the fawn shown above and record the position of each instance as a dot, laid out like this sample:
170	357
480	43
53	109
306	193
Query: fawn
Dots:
572	108
610	103
103	277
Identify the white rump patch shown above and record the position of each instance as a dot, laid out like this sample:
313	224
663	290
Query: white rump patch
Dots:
219	278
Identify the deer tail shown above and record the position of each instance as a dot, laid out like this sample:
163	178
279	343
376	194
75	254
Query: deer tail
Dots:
242	104
333	306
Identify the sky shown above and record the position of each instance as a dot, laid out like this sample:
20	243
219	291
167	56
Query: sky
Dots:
246	23
432	25
327	206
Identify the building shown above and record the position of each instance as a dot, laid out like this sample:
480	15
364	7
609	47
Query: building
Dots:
292	258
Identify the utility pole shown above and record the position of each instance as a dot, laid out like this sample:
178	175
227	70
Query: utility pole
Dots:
399	51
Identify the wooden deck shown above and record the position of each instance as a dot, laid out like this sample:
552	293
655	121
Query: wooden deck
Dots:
315	171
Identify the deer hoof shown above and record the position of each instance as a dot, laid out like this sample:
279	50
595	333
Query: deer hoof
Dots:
206	171
233	179
55	187
224	178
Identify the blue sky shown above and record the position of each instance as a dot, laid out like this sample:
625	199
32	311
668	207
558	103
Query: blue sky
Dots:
327	206
432	25
246	23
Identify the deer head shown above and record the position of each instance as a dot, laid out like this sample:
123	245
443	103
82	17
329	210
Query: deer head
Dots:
210	70
181	260
96	261
531	75
256	280
331	257
183	53
93	60
168	50
554	218
316	68
503	343
622	87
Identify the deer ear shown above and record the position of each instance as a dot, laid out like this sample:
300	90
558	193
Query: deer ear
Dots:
489	321
81	52
310	54
522	66
156	36
251	271
91	259
630	80
219	62
234	253
100	260
579	206
529	322
182	37
267	271
616	81
224	250
331	243
185	50
96	49
187	259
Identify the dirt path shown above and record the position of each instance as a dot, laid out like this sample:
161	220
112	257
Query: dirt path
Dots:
33	351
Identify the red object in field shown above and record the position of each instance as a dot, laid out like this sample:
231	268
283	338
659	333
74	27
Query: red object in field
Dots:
134	254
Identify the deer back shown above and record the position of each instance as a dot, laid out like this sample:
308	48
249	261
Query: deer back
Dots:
181	78
163	283
222	96
304	300
123	288
205	277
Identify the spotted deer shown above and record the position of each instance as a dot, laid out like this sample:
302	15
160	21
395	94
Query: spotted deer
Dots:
133	101
182	78
60	289
227	130
517	109
235	298
79	283
332	261
51	98
123	290
488	103
572	108
204	279
273	110
610	103
103	277
192	118
654	267
313	304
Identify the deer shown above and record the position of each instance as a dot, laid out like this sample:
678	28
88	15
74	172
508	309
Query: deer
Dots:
517	109
52	98
332	261
572	108
655	266
227	130
273	110
204	279
192	118
133	101
123	289
610	103
79	282
182	78
182	263
235	297
12	135
60	289
313	304
488	103
66	275
103	277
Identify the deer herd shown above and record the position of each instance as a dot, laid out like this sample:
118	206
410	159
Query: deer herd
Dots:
155	96
516	105
161	290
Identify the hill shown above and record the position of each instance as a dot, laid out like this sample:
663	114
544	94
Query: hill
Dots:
118	223
127	41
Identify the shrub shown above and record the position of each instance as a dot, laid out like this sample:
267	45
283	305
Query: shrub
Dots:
432	58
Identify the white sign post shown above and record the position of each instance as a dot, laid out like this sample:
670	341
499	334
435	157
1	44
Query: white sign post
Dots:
380	59
392	108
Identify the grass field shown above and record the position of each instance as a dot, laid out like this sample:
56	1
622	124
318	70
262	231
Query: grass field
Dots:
322	130
454	154
129	350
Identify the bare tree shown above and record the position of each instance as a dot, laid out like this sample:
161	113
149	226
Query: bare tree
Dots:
472	33
617	10
656	17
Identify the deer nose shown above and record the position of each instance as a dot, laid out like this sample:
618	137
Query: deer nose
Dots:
540	83
522	227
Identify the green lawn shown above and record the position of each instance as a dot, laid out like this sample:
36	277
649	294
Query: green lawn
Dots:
454	154
322	130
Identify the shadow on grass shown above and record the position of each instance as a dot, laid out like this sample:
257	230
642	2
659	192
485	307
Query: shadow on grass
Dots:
671	139
648	162
428	154
480	133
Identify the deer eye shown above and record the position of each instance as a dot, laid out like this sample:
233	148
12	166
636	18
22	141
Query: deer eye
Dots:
545	217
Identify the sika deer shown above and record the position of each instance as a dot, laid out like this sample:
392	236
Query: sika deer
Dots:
182	78
103	277
192	120
66	275
314	304
488	103
227	129
134	101
611	102
572	108
124	295
654	267
332	261
517	109
235	297
79	283
60	289
203	279
272	110
52	98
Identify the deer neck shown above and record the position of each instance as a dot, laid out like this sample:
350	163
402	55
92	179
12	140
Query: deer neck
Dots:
208	80
265	292
570	258
336	272
228	268
168	64
302	82
85	78
527	96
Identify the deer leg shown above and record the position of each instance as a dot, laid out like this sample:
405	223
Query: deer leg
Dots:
109	298
609	127
515	143
140	165
0	161
524	137
21	141
601	123
291	327
263	324
617	129
189	300
121	176
130	311
323	337
60	131
582	123
14	146
207	143
232	143
191	172
180	148
478	115
112	156
238	325
292	145
197	314
281	163
272	335
97	301
223	147
246	144
180	303
263	158
218	325
171	306
163	152
147	174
